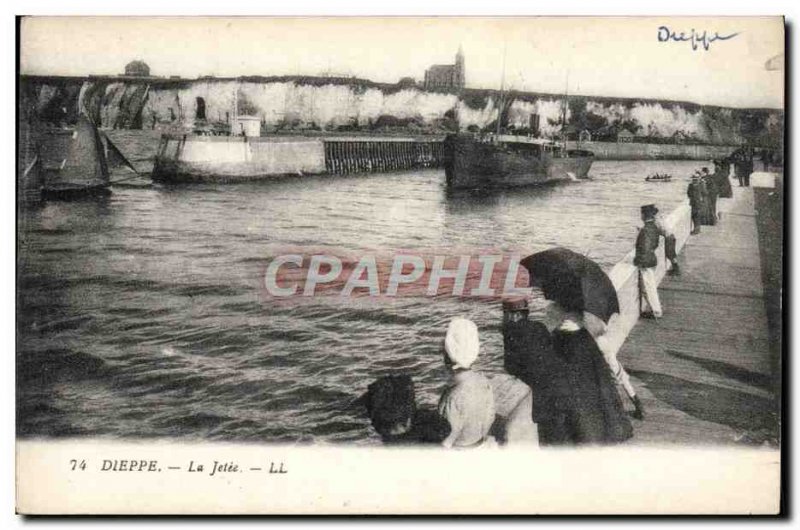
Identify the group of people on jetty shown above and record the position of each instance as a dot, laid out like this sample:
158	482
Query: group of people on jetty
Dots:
560	387
705	188
561	371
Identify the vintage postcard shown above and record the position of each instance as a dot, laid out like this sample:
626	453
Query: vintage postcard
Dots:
362	265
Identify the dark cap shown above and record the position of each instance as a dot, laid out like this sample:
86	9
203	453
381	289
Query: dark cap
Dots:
649	210
516	303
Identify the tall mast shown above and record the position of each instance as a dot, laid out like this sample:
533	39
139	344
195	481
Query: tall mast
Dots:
460	93
235	113
501	102
564	113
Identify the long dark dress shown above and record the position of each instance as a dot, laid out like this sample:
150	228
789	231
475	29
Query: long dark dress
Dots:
596	415
703	214
710	210
722	178
575	400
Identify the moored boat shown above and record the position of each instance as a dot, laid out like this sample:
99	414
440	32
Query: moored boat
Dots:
480	161
67	191
488	161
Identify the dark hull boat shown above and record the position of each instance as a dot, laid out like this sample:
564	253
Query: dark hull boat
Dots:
72	192
496	161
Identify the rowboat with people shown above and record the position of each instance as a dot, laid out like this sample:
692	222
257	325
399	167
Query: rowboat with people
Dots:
658	177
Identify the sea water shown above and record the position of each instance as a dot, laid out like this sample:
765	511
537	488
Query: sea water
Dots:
143	315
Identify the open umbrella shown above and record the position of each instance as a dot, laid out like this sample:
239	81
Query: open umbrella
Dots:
573	281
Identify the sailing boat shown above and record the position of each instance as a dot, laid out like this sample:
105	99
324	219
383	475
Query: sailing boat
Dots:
29	186
115	159
501	160
85	171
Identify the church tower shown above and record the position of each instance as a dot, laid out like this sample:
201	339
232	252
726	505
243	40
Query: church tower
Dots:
459	73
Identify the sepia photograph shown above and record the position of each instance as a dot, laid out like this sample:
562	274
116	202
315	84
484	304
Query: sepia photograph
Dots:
260	255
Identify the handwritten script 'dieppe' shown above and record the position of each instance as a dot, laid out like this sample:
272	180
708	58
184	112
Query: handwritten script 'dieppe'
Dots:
696	39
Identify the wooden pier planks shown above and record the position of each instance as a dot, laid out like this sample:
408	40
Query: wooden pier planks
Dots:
703	370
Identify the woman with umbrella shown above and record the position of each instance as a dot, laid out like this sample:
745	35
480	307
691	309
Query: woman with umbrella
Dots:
578	287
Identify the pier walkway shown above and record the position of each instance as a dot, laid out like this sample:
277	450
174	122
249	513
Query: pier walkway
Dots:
703	371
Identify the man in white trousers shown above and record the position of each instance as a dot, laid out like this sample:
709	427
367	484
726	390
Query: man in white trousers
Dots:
646	261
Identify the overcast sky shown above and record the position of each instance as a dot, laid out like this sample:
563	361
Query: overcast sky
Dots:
591	56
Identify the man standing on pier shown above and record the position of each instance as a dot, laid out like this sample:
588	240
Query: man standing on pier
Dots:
697	202
748	168
712	191
743	166
645	259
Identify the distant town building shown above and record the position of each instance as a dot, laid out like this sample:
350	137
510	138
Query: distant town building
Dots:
625	136
407	82
680	137
446	76
137	69
585	136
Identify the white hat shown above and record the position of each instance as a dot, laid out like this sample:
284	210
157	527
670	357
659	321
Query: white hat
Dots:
461	342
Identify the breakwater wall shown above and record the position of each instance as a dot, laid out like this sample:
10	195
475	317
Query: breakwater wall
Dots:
192	158
625	276
357	155
647	151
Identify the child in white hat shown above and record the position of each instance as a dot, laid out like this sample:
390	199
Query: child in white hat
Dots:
467	404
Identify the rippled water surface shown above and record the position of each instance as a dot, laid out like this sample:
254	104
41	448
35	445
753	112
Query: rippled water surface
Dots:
142	315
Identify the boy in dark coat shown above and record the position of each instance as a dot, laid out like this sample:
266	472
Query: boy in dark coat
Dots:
529	357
